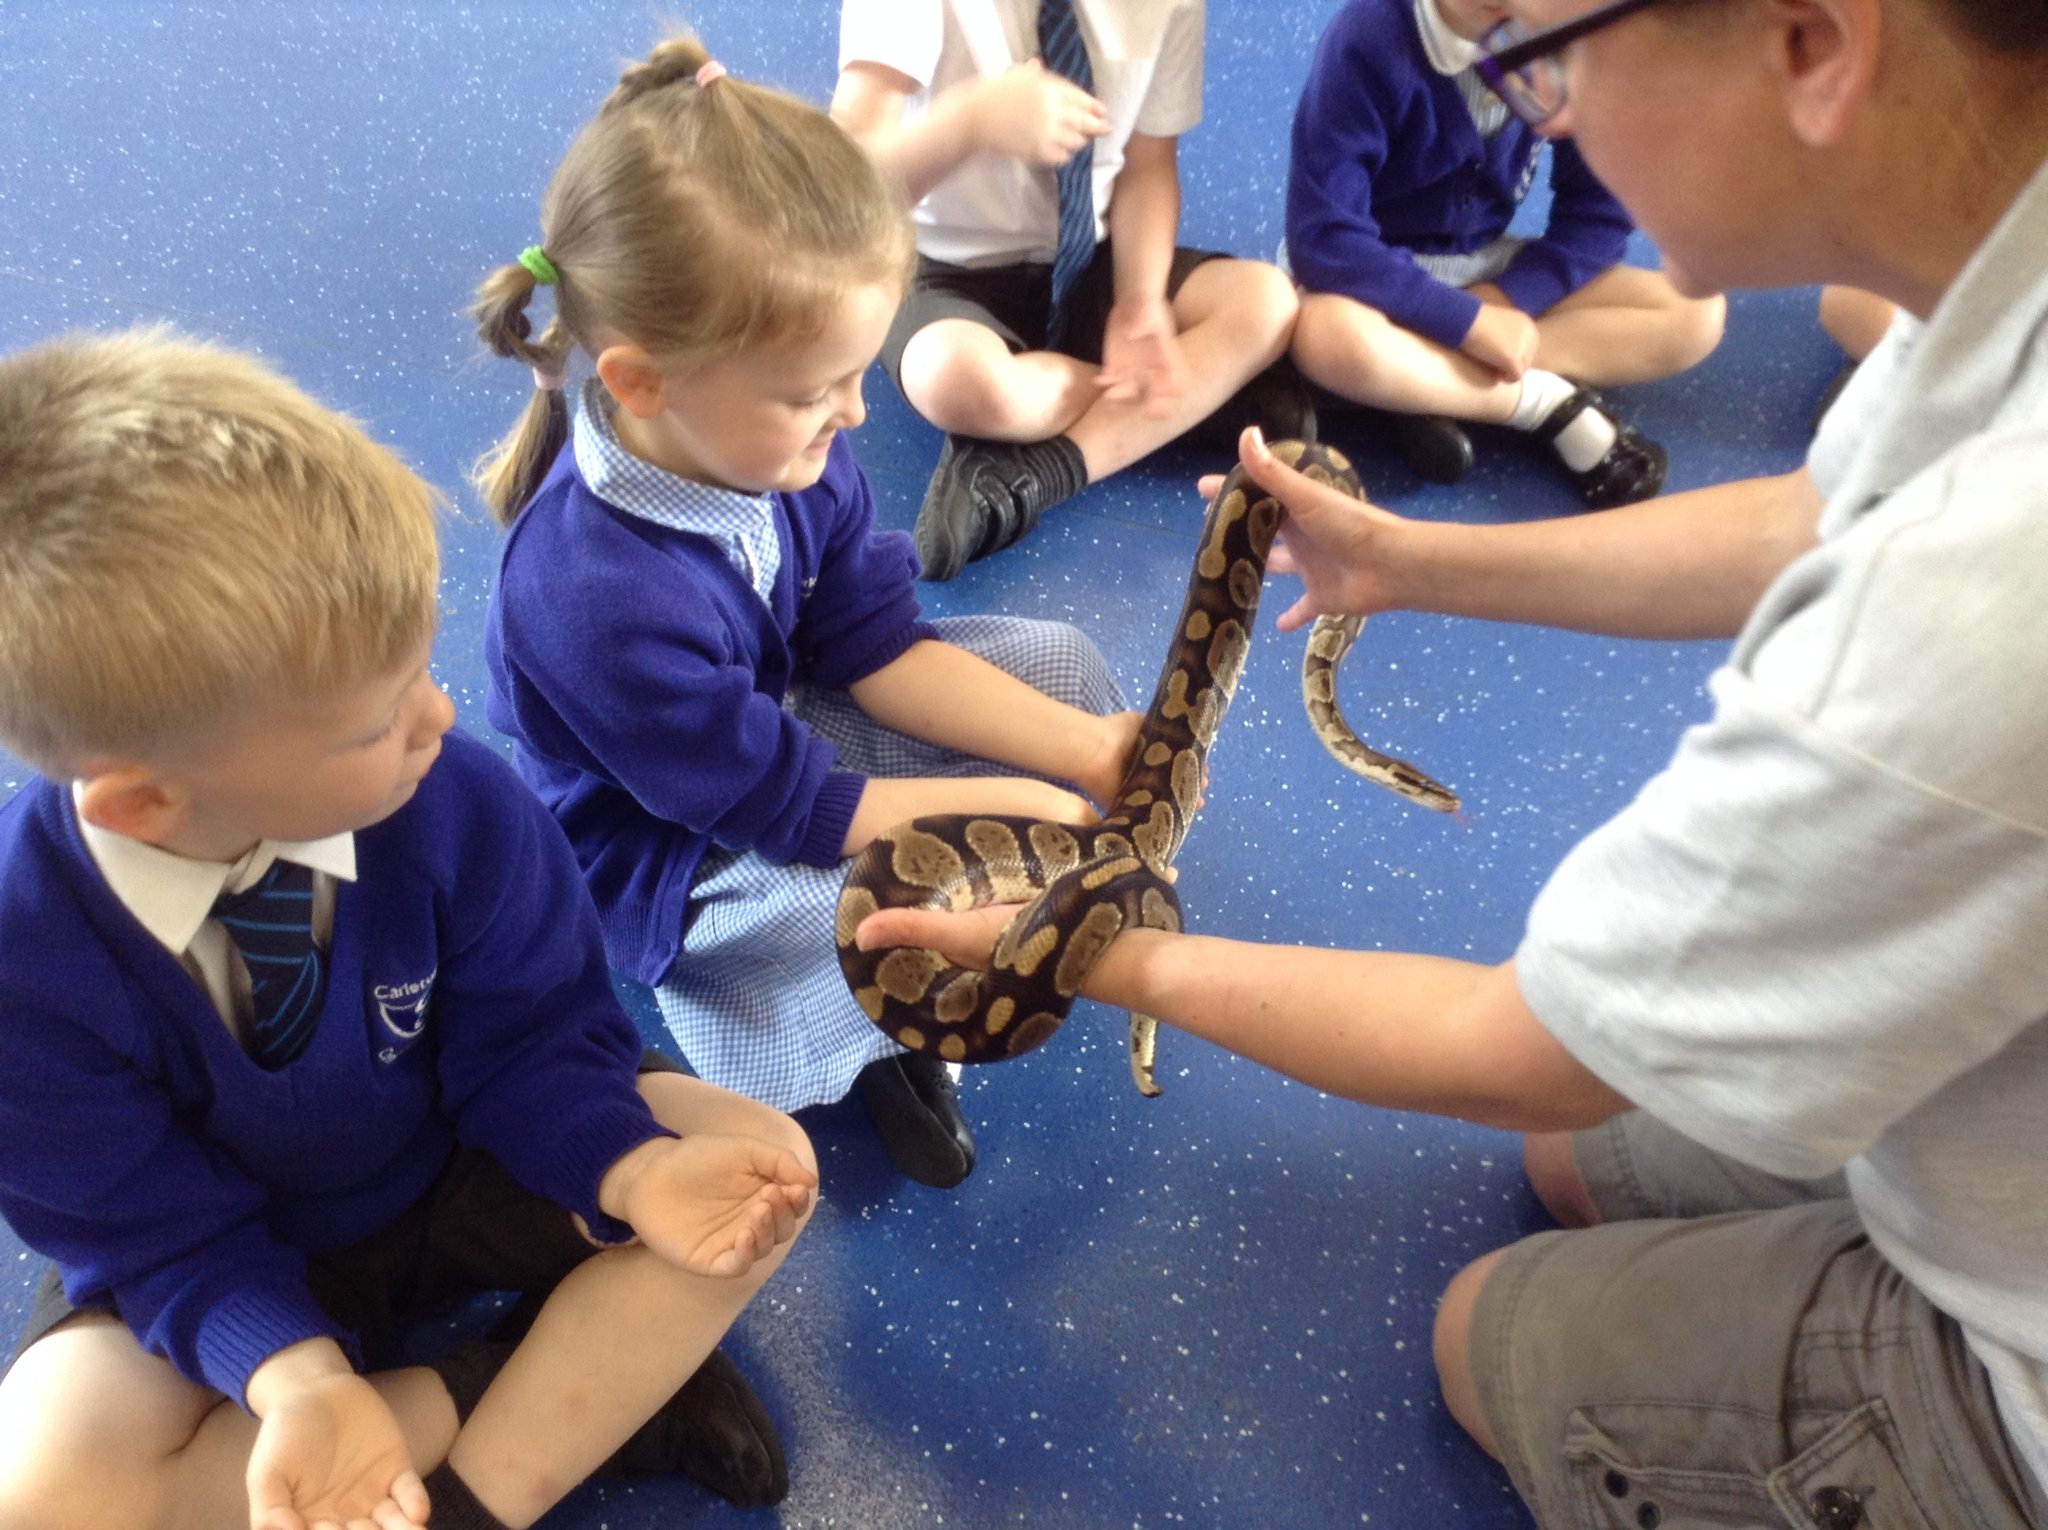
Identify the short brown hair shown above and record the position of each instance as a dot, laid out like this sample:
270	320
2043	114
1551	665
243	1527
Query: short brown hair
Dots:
184	534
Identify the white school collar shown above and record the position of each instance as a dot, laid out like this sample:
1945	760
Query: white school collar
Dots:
1449	54
171	896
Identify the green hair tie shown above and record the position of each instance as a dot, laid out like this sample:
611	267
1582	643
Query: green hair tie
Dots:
536	261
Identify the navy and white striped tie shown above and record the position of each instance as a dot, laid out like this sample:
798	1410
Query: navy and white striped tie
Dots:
271	924
1062	51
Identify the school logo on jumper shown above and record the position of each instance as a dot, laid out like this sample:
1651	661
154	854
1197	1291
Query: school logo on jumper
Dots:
403	1009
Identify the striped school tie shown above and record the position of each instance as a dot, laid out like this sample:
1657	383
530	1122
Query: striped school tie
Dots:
1062	51
271	924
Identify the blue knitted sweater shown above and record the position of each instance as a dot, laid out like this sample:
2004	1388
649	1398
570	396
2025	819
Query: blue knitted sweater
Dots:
1386	161
172	1178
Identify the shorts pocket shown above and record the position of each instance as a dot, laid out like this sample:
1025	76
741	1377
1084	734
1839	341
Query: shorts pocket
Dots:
1849	1479
1665	1479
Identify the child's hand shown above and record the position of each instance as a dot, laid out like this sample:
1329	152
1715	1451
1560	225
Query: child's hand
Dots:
1503	338
329	1454
1032	114
1104	771
1344	549
1141	359
965	939
712	1204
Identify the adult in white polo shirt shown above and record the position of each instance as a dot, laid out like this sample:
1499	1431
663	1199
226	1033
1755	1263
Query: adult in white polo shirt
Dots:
1041	396
1792	1000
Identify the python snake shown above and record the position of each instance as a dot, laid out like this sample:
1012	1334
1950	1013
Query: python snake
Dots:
1082	885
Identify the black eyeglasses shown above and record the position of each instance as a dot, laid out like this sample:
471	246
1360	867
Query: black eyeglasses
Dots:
1521	66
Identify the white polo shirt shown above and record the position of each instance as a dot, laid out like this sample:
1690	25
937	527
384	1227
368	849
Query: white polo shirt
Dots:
994	210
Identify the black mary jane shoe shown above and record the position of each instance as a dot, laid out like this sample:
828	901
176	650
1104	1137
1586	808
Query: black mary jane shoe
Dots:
1633	468
916	1106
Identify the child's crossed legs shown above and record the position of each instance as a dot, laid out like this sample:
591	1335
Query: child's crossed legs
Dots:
95	1431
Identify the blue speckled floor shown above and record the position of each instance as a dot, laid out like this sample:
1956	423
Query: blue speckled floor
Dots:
1211	1309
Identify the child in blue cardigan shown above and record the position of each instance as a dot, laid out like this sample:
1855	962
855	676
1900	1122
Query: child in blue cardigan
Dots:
1405	173
712	663
305	1022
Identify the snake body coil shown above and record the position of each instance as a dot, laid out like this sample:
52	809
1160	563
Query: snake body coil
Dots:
1083	885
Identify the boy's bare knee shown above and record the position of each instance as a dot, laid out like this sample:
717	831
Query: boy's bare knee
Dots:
1554	1175
958	389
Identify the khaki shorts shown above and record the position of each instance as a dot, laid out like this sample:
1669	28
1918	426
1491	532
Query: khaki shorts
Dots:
1729	1350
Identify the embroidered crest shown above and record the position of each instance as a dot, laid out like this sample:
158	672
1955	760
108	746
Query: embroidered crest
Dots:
402	1007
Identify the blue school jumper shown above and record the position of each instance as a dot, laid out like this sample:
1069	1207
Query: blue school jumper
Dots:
676	684
172	1178
1387	163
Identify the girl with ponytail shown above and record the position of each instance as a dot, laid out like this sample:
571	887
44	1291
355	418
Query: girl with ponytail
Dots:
712	663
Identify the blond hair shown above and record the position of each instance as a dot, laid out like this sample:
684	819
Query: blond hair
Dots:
694	221
184	535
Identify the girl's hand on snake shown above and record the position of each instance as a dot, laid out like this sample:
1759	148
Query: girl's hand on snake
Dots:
1341	548
1104	770
964	939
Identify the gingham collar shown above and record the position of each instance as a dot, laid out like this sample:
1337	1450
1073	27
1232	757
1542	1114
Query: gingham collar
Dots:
742	524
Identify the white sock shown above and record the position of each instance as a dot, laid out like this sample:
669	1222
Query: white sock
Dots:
1581	443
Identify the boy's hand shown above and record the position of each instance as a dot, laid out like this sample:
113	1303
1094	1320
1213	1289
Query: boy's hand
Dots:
1141	359
1342	548
1104	771
1032	114
712	1204
329	1453
1503	338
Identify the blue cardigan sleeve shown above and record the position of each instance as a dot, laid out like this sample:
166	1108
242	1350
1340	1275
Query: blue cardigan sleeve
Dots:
538	1060
1588	232
1343	130
103	1176
656	692
862	612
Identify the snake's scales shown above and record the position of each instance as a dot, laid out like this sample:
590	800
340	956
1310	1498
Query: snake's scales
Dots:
1082	885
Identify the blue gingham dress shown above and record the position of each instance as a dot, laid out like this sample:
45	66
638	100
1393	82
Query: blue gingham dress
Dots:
756	1001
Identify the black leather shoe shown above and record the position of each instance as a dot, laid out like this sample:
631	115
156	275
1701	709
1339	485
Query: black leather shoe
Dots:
985	495
1633	468
916	1107
1436	449
715	1432
1276	400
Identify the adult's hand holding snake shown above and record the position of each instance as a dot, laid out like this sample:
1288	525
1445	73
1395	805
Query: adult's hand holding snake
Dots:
1346	551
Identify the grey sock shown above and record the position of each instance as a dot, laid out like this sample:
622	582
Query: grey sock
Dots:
1058	470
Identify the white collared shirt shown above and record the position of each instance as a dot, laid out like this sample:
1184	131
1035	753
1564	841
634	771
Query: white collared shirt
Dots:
742	524
172	897
1453	57
1146	56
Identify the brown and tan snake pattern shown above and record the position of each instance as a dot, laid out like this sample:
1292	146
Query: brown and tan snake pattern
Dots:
1084	884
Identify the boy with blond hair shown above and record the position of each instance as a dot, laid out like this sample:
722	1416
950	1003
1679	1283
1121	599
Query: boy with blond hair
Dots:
305	1023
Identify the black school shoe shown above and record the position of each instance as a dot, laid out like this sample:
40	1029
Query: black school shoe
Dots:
1276	400
1436	448
715	1432
916	1106
985	495
1633	468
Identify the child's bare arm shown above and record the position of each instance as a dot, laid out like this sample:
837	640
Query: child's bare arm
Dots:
950	697
1026	112
1141	357
710	1203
